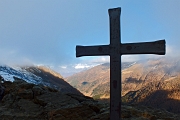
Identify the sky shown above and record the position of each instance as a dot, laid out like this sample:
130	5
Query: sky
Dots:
46	32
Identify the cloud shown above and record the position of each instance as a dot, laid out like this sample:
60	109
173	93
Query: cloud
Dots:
47	32
64	67
81	66
130	58
99	60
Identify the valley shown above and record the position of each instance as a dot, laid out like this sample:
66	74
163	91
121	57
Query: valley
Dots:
152	82
148	84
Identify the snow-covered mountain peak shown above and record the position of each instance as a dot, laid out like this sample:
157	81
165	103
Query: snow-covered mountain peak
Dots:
9	73
37	75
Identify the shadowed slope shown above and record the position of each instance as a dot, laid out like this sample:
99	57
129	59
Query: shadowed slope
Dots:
54	79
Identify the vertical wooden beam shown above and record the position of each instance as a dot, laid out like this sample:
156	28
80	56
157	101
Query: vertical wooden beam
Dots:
115	64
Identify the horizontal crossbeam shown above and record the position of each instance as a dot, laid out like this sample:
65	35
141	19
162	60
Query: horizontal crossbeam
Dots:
156	47
92	50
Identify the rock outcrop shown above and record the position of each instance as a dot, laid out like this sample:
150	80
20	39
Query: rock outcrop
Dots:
1	91
25	101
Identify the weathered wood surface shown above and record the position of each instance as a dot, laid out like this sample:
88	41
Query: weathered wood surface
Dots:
92	50
115	50
156	47
115	64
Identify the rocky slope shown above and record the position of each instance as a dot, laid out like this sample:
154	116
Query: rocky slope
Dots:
37	75
95	81
54	79
152	70
25	101
160	94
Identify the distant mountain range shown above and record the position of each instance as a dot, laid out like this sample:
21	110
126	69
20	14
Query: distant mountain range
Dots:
95	81
152	82
39	75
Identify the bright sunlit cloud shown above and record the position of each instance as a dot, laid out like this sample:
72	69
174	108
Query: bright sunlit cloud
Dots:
80	66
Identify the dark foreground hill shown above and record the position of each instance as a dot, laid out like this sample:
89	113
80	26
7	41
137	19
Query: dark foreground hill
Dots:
25	101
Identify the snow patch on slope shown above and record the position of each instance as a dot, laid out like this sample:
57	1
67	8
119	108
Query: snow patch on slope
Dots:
9	73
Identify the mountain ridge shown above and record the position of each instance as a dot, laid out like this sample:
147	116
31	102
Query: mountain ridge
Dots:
159	94
37	75
134	75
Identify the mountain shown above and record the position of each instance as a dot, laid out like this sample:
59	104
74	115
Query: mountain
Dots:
37	75
27	101
160	94
95	81
152	70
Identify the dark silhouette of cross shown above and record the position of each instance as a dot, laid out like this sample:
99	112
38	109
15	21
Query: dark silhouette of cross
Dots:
115	49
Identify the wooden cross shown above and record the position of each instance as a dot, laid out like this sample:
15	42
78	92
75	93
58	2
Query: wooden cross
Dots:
115	49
